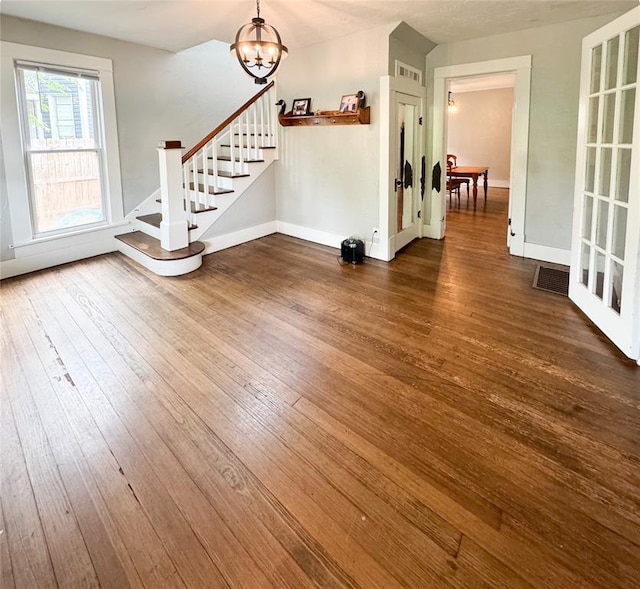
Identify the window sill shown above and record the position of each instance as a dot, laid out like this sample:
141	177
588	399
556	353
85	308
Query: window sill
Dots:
75	239
68	234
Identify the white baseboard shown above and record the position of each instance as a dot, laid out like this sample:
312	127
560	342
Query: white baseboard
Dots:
38	256
372	250
308	234
547	254
221	242
499	183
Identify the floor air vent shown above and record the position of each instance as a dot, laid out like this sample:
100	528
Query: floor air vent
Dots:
552	280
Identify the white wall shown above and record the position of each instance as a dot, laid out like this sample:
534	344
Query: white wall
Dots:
256	207
327	180
479	131
159	95
408	46
327	177
555	79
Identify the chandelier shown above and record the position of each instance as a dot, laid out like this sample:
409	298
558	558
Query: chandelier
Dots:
258	48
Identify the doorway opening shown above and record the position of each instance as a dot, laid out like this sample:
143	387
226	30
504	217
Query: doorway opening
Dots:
478	135
520	69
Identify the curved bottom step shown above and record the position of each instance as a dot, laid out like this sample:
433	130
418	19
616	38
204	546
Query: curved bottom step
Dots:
146	250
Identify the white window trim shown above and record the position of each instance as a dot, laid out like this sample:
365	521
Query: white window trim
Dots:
16	176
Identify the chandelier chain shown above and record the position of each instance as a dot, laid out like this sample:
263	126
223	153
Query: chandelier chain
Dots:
258	7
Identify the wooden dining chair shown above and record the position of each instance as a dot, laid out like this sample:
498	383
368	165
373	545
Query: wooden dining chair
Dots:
453	183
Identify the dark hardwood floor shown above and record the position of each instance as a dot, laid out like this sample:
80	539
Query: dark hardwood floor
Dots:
276	419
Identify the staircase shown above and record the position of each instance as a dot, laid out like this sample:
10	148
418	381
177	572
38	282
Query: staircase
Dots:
197	188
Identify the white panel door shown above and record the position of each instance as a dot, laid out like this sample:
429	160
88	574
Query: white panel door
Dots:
407	180
605	253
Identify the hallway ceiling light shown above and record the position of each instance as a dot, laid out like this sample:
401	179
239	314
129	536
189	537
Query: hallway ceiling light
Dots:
451	104
259	48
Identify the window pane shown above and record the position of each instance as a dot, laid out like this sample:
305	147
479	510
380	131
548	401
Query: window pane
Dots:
617	274
623	175
599	274
630	71
605	171
619	231
601	226
596	66
612	63
584	264
609	115
66	190
627	103
591	170
592	127
60	113
587	217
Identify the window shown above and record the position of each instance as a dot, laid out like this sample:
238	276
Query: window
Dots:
63	147
60	143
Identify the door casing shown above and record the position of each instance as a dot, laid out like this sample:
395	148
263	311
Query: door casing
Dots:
435	221
389	88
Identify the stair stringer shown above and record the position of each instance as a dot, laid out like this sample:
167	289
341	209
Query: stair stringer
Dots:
223	202
146	207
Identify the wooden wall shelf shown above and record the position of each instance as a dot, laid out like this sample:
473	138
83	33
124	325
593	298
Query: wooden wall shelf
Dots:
360	117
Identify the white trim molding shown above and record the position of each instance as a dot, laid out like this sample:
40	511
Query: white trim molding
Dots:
308	234
38	256
222	242
372	250
521	66
16	177
547	254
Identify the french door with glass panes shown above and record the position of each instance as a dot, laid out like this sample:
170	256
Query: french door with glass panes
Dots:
605	253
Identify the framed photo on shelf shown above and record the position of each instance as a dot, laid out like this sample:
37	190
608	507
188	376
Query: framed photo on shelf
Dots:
349	103
301	107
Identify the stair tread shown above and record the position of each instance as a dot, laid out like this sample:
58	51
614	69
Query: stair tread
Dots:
226	174
212	189
150	246
200	209
245	147
155	219
226	158
223	174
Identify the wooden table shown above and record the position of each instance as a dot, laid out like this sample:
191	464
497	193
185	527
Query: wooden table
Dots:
473	172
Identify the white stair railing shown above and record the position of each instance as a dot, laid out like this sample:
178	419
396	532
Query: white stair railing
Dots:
245	132
174	232
190	182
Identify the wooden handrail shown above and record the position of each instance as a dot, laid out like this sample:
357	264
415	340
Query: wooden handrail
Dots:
224	123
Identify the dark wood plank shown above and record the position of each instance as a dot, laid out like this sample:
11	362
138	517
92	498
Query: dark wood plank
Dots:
189	527
59	523
290	422
29	558
155	219
177	425
108	553
7	580
150	246
356	562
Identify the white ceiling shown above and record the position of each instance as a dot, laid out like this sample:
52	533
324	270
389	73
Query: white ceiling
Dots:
178	24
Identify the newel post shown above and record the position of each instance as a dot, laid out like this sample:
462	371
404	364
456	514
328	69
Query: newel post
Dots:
174	233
